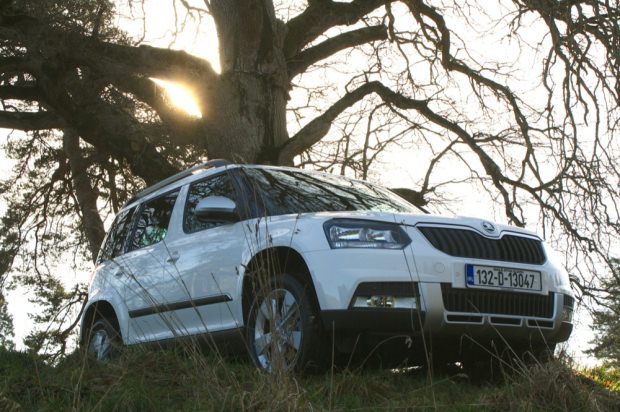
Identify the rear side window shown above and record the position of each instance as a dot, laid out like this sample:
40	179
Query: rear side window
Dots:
153	220
220	185
114	244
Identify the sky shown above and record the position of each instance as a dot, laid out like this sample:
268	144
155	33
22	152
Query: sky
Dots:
201	40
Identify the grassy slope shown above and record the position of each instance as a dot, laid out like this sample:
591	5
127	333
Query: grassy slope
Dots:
164	380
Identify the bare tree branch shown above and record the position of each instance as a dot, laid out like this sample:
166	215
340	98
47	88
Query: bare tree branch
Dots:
27	93
299	63
418	8
173	65
317	128
322	15
14	64
30	120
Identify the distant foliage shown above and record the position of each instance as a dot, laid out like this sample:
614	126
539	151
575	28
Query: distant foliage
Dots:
607	321
6	325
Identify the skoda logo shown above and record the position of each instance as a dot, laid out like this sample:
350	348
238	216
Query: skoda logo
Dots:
488	226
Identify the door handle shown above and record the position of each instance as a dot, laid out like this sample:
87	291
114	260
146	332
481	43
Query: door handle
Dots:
119	273
173	257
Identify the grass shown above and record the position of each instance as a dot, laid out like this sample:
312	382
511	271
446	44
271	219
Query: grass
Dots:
154	380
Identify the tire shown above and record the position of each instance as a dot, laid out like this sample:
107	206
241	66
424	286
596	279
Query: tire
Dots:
282	331
104	342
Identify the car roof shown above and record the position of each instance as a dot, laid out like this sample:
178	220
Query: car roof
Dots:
206	169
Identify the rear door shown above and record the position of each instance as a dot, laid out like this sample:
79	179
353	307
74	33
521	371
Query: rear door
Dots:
111	282
144	265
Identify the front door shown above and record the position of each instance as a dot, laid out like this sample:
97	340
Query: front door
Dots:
202	282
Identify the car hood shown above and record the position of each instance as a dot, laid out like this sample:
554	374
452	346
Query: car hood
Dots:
485	227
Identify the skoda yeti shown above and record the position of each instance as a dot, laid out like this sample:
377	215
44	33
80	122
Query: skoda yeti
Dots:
293	261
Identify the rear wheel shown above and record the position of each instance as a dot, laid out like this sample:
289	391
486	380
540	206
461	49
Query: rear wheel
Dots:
282	333
104	341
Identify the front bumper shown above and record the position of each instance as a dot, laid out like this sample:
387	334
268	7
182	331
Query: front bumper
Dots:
444	306
374	321
450	314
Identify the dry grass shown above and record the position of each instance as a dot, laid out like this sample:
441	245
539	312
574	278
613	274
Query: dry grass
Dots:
554	386
188	380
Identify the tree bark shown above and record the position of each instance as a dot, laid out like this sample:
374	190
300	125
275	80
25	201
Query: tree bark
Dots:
84	192
246	109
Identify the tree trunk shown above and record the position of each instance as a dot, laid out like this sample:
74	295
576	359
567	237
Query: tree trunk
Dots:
246	108
84	192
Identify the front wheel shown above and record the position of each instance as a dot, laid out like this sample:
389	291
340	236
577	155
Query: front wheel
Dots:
282	333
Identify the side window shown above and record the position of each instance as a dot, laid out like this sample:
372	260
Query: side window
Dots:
153	220
220	185
115	240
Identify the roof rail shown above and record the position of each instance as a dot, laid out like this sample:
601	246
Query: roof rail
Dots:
203	166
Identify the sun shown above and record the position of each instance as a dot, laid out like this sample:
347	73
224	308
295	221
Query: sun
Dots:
180	97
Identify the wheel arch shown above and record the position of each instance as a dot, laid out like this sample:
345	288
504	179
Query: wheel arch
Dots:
100	309
277	259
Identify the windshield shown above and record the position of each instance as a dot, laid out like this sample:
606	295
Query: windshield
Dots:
282	192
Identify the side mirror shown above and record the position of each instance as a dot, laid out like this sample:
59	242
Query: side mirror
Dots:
218	208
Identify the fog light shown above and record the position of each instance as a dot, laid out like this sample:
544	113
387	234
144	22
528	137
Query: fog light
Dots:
385	302
567	314
381	301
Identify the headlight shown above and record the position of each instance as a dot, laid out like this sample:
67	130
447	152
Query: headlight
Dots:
353	233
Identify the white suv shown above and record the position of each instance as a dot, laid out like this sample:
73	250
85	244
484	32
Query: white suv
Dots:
292	261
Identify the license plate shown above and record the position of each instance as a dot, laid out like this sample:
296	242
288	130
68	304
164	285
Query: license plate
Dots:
503	278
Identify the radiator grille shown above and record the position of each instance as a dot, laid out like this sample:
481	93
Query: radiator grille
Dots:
497	302
470	244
